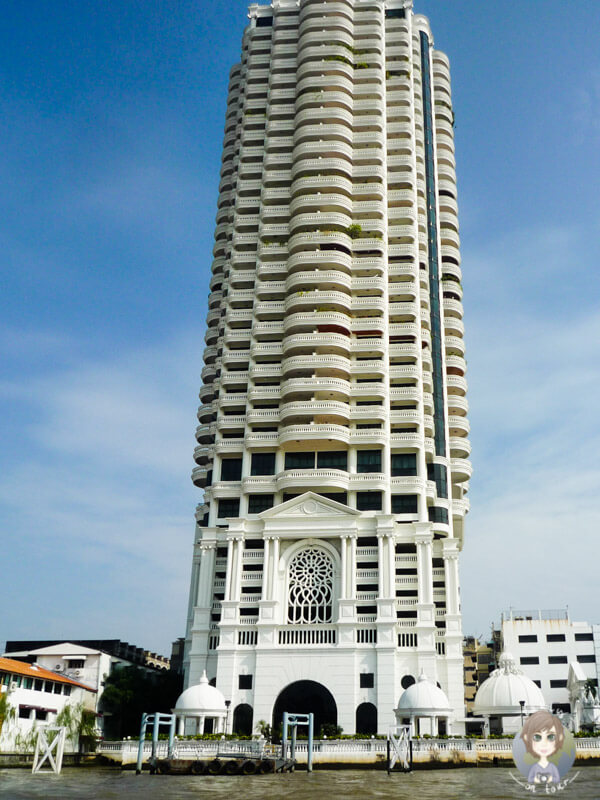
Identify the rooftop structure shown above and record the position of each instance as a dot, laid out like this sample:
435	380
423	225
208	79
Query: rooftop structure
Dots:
333	438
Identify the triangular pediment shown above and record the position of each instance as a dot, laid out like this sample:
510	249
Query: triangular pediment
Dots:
307	505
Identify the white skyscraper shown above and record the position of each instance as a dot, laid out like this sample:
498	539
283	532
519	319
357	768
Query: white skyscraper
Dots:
332	444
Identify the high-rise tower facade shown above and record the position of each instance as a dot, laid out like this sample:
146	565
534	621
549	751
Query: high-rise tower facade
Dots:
332	444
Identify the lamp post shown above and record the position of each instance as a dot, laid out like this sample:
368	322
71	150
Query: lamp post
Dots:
522	704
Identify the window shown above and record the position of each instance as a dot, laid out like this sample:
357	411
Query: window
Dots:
555	637
437	473
229	507
41	714
310	594
538	684
75	663
584	637
368	461
38	684
437	514
367	680
48	686
66	690
368	501
528	638
259	502
404	504
333	460
558	684
231	469
24	712
244	681
57	688
558	660
404	464
264	22
263	464
529	660
394	13
585	659
299	460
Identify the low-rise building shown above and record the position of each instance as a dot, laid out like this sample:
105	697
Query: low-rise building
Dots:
35	697
544	643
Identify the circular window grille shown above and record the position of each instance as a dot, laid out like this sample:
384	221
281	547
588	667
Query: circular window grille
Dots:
311	587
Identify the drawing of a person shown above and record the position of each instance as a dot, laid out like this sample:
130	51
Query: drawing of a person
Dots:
543	735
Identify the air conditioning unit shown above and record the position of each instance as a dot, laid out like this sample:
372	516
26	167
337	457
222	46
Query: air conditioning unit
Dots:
77	672
14	685
58	668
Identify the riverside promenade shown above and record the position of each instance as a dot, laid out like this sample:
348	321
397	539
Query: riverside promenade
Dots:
348	753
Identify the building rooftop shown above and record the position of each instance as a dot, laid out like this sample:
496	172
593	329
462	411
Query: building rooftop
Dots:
34	671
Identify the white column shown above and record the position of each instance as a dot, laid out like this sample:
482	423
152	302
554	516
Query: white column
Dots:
451	577
207	571
344	571
274	567
352	567
424	568
229	573
266	564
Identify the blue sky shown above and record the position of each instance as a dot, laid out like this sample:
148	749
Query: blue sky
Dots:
111	126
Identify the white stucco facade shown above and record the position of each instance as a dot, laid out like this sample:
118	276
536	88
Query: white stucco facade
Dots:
332	445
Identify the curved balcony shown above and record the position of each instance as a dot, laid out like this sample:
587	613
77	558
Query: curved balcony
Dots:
327	115
325	280
333	388
300	302
408	417
312	433
325	9
453	326
315	479
200	476
457	404
332	23
368	436
261	351
375	368
368	326
205	434
368	482
318	203
410	441
322	133
372	347
322	166
362	305
259	483
324	66
456	365
452	308
368	414
331	82
262	416
458	425
325	183
260	440
314	223
309	241
333	366
324	36
459	447
324	97
404	371
455	346
317	344
461	470
307	322
311	410
206	414
408	484
371	391
203	454
263	393
460	508
207	392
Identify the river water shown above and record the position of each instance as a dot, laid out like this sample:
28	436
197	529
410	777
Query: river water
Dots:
446	784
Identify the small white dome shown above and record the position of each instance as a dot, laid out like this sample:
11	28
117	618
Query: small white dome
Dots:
201	699
501	693
424	696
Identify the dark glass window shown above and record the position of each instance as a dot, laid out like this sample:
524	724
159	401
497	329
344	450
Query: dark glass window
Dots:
368	461
229	507
558	660
587	659
339	497
404	464
41	714
368	501
556	637
538	684
437	514
395	13
24	712
404	504
75	663
244	681
264	22
259	502
263	464
231	469
584	637
37	685
529	660
438	473
558	684
299	460
28	683
528	638
367	680
334	459
67	690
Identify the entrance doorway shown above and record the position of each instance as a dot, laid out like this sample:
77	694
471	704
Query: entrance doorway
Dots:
306	697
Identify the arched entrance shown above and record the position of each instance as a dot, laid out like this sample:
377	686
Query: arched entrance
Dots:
242	719
366	719
306	697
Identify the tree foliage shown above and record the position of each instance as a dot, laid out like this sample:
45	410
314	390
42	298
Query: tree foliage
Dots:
131	691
